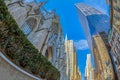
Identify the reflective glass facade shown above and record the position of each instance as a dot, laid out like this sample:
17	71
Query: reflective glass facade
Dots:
92	21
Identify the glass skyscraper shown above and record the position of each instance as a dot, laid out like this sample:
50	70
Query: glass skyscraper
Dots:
96	25
92	21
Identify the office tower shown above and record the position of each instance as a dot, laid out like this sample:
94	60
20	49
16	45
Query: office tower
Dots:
71	59
89	70
92	21
79	76
104	68
114	34
96	25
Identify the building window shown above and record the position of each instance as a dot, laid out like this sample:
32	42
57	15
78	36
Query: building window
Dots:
29	25
112	39
115	8
114	33
49	54
119	40
116	16
117	45
26	29
115	50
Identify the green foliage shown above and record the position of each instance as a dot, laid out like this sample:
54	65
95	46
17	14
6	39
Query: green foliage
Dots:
18	48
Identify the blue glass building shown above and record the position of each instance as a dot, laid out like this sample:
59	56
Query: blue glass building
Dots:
92	21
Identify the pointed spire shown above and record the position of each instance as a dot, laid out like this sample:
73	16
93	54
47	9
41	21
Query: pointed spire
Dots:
66	38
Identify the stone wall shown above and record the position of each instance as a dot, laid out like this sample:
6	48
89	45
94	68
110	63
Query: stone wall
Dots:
9	71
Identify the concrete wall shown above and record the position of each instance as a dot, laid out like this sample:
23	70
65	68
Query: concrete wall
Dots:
9	71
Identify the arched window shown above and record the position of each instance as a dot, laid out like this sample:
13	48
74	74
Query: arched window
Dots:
29	25
49	54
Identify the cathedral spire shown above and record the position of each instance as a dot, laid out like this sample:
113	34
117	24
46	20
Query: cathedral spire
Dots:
66	38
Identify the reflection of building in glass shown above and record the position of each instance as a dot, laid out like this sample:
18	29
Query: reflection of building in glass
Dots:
92	21
114	34
96	25
72	69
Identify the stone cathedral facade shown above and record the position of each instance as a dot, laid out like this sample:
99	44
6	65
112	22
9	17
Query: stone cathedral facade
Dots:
42	29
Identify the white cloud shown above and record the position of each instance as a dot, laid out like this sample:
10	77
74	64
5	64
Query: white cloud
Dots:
81	45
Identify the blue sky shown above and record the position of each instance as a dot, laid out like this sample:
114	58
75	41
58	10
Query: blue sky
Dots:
71	24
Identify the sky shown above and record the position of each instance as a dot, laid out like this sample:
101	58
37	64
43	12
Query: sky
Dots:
71	25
